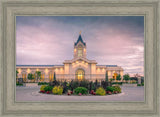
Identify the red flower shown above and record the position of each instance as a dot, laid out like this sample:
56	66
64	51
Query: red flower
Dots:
42	91
110	93
92	91
80	94
48	92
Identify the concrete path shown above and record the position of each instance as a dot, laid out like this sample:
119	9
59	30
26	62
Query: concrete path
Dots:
29	94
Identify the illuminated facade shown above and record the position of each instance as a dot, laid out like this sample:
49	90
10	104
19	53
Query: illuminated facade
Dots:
77	68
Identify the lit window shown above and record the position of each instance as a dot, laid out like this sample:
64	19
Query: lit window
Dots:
80	52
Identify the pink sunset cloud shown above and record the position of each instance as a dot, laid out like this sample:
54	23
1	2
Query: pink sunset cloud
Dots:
50	40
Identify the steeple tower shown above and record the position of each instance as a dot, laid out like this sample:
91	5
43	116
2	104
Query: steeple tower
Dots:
80	47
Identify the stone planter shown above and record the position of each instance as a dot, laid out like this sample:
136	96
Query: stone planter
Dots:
30	84
129	85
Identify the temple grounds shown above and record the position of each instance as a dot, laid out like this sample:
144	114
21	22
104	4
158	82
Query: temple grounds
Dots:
31	94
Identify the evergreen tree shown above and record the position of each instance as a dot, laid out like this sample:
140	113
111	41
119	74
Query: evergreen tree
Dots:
118	77
38	74
106	79
54	76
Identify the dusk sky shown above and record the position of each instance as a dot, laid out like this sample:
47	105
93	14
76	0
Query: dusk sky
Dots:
110	40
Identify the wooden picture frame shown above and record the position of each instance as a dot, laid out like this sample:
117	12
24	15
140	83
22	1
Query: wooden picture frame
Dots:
10	9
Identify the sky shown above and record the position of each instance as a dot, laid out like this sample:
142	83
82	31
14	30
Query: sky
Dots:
110	40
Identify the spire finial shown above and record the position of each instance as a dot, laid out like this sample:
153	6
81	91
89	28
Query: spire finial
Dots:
80	32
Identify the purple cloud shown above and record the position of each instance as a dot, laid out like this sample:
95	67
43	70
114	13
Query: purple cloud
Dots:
109	39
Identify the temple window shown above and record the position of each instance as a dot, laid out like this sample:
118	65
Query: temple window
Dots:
80	52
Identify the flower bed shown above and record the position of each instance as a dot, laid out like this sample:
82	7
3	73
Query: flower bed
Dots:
74	88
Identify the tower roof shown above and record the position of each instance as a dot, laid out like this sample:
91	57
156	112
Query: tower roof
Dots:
80	39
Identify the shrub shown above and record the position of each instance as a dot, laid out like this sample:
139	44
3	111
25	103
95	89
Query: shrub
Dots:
133	81
65	87
126	77
57	90
117	88
74	84
111	89
138	84
84	83
142	84
30	76
81	90
43	83
18	84
100	91
42	87
54	83
91	86
48	88
119	83
104	84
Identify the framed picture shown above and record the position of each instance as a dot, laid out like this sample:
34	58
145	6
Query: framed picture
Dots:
79	58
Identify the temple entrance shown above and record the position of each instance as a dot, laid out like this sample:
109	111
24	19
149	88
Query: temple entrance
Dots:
115	76
80	74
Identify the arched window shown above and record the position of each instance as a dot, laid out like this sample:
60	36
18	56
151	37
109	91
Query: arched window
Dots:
80	74
80	51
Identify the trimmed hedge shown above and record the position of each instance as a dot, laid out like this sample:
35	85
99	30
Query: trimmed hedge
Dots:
81	90
48	88
111	89
120	83
43	83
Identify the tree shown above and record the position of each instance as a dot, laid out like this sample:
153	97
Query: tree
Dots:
54	76
126	77
17	76
38	75
118	77
17	73
106	79
30	76
136	75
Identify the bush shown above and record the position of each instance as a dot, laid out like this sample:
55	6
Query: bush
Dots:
18	84
48	88
57	90
81	90
105	84
42	87
133	81
119	83
65	87
117	88
100	91
30	76
138	84
43	83
84	83
111	89
74	84
142	84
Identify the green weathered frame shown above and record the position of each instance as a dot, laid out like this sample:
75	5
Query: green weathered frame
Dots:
11	8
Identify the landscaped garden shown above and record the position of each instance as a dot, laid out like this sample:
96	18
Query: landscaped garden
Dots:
80	88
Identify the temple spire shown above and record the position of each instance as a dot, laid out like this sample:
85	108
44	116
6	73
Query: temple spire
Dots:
80	39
